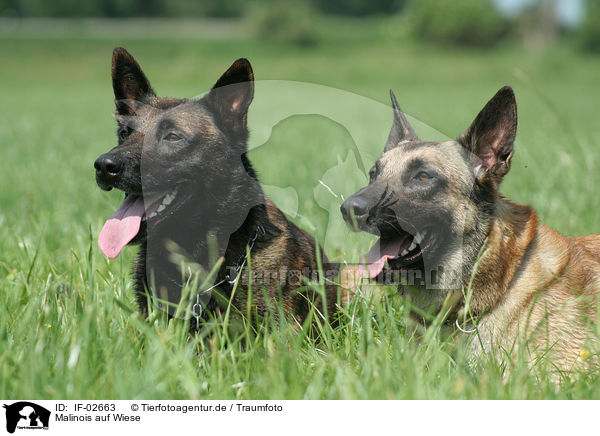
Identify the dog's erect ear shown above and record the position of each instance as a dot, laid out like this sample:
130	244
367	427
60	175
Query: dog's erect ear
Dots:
492	135
129	82
401	129
231	96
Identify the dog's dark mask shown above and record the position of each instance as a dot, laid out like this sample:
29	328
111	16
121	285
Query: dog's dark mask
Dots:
172	150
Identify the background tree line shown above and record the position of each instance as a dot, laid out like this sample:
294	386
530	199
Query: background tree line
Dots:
457	22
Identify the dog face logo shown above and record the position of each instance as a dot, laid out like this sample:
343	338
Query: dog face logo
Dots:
26	415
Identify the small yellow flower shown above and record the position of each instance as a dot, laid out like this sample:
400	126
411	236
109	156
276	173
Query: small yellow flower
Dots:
584	354
48	325
459	385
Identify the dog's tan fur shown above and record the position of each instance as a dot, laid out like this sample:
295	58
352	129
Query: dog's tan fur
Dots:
527	289
536	287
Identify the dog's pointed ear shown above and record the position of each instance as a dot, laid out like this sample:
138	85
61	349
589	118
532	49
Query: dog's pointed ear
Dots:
401	129
130	84
231	96
492	135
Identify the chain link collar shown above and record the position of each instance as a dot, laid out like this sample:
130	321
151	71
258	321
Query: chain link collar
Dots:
197	308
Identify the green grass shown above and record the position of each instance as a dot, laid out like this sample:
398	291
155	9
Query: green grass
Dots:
67	328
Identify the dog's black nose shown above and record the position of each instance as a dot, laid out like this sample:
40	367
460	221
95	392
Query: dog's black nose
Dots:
108	168
355	210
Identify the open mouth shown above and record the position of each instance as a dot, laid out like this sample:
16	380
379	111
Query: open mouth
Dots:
124	225
400	250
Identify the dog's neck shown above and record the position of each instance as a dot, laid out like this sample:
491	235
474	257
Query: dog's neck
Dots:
512	231
255	229
211	226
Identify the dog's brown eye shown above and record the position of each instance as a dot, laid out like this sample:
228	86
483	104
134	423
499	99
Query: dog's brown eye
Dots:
172	137
124	134
423	176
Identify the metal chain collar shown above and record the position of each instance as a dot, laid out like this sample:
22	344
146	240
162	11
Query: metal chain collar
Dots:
197	307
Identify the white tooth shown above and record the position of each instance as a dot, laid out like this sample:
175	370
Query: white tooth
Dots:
169	197
161	208
412	246
404	252
418	238
153	214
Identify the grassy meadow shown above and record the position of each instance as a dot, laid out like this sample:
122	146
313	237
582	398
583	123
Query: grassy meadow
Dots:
68	327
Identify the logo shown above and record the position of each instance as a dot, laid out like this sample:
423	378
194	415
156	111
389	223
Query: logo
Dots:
26	415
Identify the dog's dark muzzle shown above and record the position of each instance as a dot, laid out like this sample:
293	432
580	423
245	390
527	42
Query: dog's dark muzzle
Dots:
355	211
108	170
358	208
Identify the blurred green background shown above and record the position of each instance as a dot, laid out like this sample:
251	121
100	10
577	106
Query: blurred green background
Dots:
462	22
443	59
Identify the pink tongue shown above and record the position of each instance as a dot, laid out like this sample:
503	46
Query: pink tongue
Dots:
379	254
122	226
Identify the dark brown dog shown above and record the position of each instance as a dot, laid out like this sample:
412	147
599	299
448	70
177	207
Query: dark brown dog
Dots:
441	219
187	180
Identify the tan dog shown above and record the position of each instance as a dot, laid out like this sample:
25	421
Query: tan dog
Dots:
444	226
